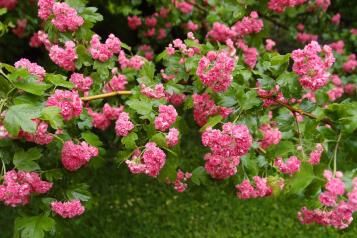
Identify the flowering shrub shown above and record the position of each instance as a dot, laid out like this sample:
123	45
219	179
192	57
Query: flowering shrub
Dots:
269	123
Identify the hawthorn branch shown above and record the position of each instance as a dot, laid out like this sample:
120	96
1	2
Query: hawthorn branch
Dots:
105	95
199	7
297	110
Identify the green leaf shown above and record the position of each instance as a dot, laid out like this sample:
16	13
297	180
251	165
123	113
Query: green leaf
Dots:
285	121
159	139
92	139
59	81
19	117
345	114
90	14
23	80
84	57
289	85
125	46
282	149
53	116
212	121
169	170
123	155
147	73
139	106
301	179
199	176
248	100
129	140
25	160
78	191
33	227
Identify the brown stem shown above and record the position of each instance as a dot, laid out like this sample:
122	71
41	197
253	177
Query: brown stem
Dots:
199	7
297	110
272	20
105	95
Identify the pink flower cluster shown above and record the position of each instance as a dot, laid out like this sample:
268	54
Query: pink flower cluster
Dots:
66	17
150	162
68	102
183	6
9	4
338	208
18	186
271	136
324	4
45	8
172	137
180	184
40	38
221	167
104	52
313	69
123	125
176	99
250	55
20	28
135	62
266	94
248	25
226	146
64	57
32	68
75	156
338	46
40	137
156	93
117	83
269	44
68	209
81	82
167	116
146	51
134	22
103	120
335	93
304	37
245	190
336	19
315	155
215	70
350	65
290	166
279	6
221	32
204	107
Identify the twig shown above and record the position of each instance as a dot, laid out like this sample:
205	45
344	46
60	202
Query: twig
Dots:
300	138
335	154
199	7
272	20
105	95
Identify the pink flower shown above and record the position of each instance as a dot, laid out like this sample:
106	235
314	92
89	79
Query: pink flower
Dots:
134	22
45	8
350	88
221	32
290	166
172	137
338	46
40	137
248	25
117	83
177	99
313	69
123	125
156	93
8	4
233	140
336	19
350	65
180	184
112	113
167	116
184	7
304	37
215	70
20	28
335	93
81	82
68	209
104	52
315	155
135	62
64	57
18	187
68	102
191	26
245	190
40	38
279	6
269	44
99	120
66	17
324	4
250	55
151	162
271	136
204	107
75	156
32	68
221	167
150	21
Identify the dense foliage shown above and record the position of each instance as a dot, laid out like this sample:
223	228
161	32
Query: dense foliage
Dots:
250	96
